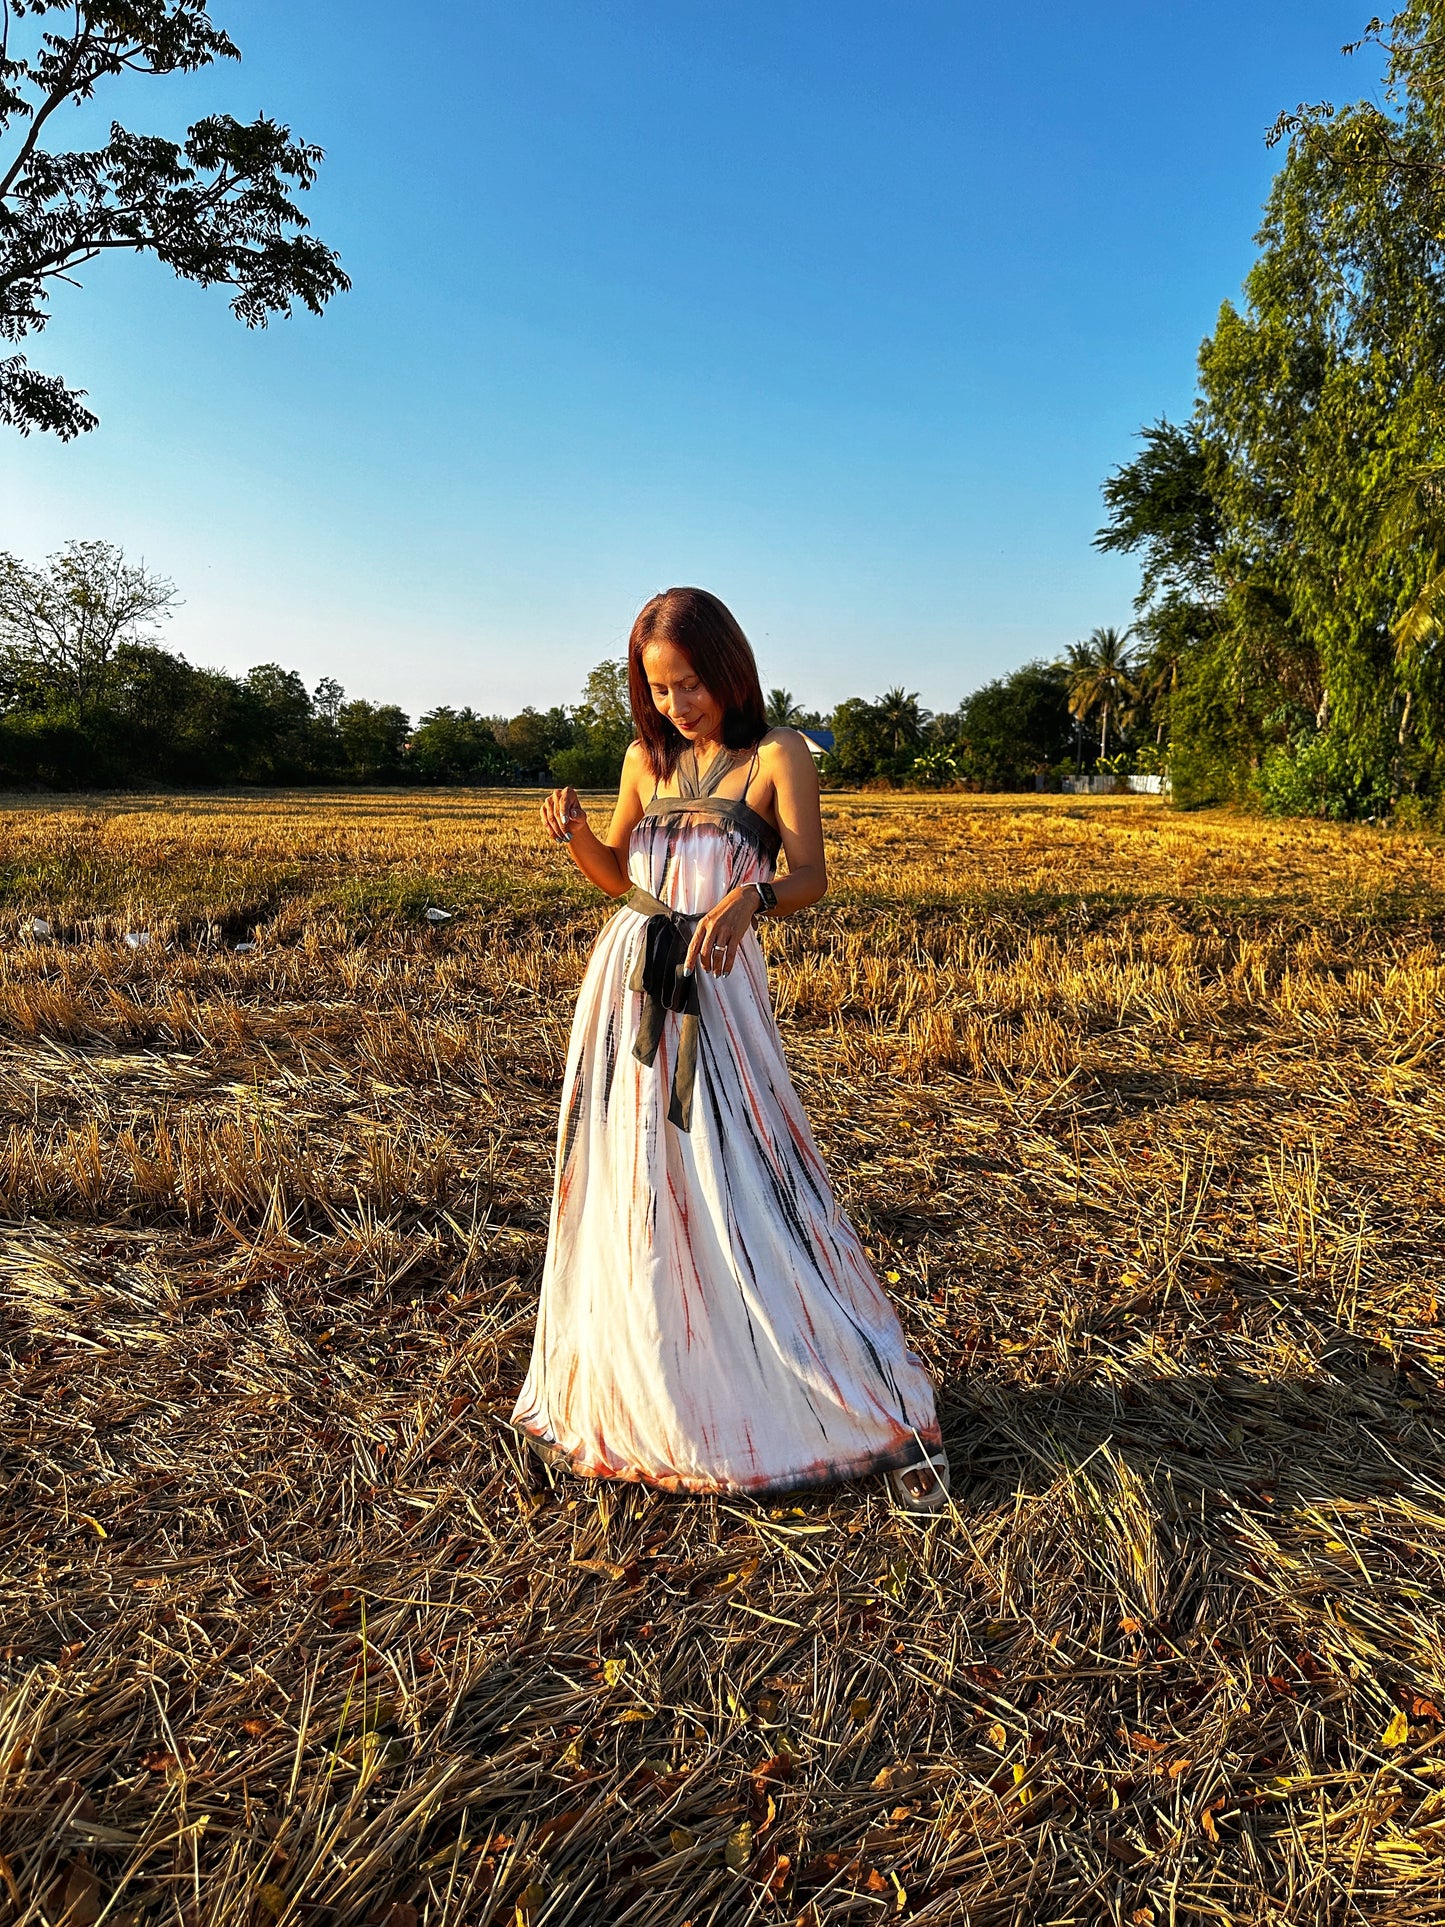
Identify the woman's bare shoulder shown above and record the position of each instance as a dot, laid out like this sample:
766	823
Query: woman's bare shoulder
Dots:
785	746
635	763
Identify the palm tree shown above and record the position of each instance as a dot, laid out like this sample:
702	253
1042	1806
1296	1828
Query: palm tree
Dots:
1100	677
781	710
901	719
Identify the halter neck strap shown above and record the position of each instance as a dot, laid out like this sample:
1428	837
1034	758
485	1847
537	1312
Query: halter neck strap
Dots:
752	772
695	782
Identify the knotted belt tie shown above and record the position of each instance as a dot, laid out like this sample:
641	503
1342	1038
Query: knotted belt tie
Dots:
658	975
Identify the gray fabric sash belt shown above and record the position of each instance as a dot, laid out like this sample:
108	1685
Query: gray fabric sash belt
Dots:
658	975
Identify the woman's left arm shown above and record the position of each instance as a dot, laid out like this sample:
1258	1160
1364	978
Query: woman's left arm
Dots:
800	821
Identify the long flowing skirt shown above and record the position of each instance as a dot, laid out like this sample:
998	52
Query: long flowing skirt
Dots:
709	1320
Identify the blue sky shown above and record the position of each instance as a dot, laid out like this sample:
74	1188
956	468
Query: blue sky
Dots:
842	311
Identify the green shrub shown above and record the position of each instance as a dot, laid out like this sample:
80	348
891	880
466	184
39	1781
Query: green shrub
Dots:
1322	774
935	769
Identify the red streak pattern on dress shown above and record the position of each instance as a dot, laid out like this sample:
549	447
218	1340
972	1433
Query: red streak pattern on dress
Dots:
709	1321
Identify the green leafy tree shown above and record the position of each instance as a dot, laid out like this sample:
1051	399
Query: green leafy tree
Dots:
1371	139
163	720
1324	391
42	749
1162	507
1291	538
1412	522
1172	633
213	734
457	746
327	756
1015	728
606	702
217	207
139	724
373	739
880	738
601	731
859	747
533	737
65	622
326	700
150	717
275	733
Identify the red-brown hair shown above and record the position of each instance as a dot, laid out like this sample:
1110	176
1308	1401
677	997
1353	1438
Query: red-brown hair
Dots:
707	633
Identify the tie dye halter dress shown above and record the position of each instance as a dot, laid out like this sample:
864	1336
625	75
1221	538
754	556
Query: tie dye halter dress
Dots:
708	1321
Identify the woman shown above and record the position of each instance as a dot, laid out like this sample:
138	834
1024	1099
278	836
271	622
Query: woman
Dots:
708	1321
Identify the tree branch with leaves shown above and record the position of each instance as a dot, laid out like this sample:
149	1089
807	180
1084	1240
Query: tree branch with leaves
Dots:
218	208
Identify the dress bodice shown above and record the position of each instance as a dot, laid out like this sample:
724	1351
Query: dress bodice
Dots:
689	851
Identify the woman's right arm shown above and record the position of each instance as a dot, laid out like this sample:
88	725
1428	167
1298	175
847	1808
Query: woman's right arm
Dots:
602	860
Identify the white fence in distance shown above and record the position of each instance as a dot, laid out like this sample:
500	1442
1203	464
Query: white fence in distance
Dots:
1116	785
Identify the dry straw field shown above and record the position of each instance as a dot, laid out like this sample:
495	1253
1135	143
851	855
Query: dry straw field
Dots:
1144	1114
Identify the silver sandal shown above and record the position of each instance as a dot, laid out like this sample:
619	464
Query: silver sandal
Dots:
922	1487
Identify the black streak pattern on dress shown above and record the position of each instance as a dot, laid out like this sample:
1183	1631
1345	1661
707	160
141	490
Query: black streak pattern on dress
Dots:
709	1318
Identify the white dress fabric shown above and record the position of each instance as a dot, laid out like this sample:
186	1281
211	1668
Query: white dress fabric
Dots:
708	1321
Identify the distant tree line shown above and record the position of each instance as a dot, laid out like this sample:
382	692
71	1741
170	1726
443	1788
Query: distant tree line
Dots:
89	698
1026	730
1292	532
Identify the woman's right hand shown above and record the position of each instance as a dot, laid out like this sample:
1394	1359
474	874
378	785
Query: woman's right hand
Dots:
561	811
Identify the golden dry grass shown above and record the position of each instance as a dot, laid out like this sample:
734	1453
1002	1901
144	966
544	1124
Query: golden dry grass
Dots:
1144	1110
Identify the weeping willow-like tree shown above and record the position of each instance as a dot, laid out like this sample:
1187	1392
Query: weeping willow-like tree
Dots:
1297	518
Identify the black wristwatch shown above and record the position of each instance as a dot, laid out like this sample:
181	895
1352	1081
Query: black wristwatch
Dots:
767	897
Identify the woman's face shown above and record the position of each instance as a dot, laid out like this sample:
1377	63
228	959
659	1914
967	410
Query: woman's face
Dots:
679	694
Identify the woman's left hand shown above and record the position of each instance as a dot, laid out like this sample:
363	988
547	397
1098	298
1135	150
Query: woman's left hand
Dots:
715	941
